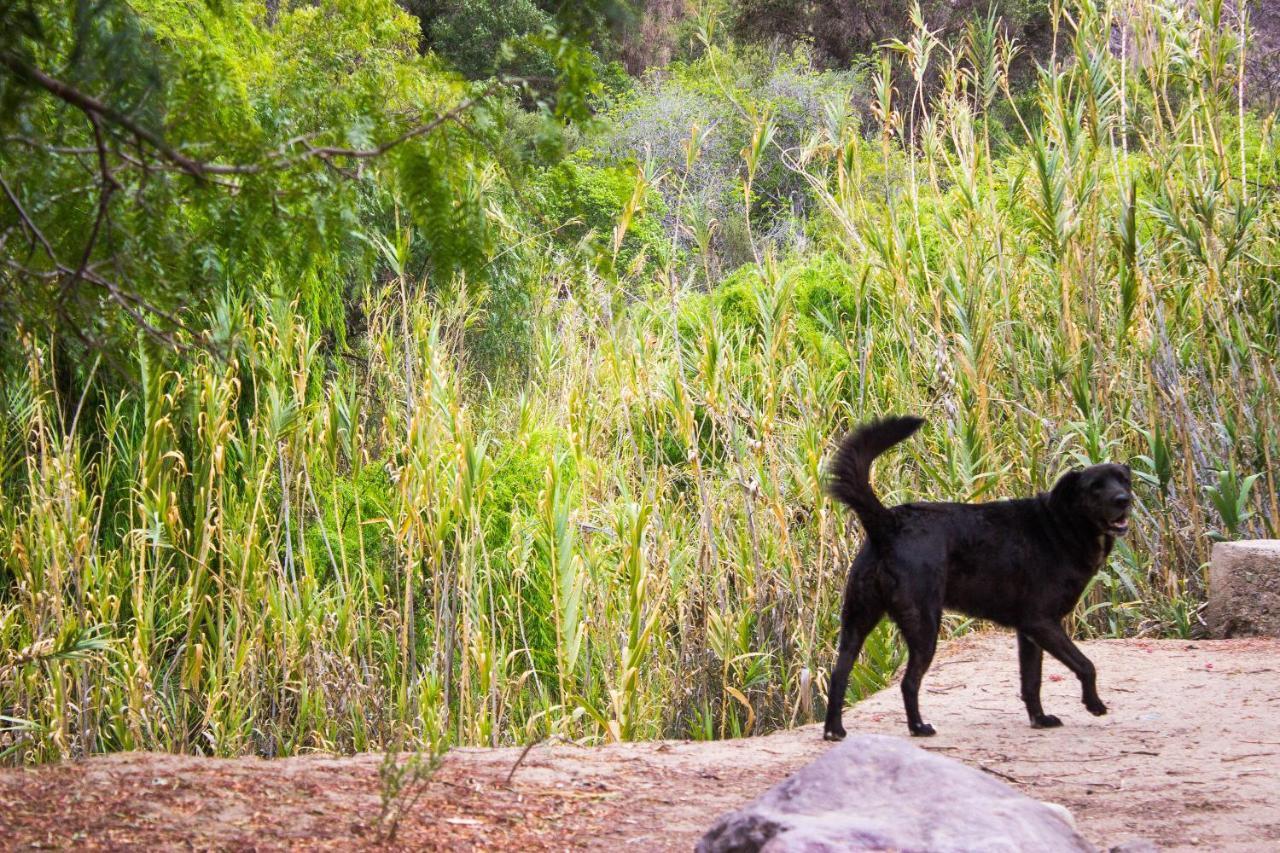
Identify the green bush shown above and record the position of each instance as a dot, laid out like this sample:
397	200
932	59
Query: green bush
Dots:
480	38
586	200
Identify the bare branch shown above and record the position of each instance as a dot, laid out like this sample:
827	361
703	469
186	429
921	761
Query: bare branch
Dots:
109	186
93	106
412	133
48	149
27	221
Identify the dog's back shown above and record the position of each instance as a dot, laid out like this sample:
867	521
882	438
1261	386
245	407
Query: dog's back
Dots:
987	560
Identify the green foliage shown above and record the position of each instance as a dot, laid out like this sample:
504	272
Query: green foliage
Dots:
519	471
822	299
479	38
587	201
189	151
223	88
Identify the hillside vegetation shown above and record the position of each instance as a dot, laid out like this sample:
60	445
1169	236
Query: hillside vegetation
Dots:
515	427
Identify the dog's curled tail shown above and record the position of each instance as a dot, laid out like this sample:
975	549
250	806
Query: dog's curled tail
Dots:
849	475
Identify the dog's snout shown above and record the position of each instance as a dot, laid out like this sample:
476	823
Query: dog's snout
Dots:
1122	500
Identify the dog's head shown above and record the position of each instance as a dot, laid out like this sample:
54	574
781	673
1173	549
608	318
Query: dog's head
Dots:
1101	494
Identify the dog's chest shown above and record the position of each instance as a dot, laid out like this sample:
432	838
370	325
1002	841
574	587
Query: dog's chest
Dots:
1105	543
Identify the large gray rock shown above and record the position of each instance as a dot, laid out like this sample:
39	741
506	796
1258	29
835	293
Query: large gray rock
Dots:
1244	588
874	792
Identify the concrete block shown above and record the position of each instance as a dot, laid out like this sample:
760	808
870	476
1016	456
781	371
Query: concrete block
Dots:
1244	589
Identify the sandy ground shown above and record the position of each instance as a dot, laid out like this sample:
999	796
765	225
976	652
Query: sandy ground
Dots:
1189	757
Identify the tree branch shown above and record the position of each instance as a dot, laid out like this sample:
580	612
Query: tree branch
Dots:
93	106
27	221
109	186
123	144
279	159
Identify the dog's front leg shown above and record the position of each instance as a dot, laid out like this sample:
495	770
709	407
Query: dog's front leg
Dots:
1029	658
1053	639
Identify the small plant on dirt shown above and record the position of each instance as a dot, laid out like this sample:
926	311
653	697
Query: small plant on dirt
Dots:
403	782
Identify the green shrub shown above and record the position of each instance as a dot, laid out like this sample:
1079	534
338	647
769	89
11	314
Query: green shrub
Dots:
480	38
588	200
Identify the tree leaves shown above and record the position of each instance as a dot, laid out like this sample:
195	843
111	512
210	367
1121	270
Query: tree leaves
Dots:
162	153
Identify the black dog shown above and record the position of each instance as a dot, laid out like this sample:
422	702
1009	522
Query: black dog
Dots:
1020	563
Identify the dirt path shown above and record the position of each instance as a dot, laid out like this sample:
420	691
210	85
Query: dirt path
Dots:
1189	757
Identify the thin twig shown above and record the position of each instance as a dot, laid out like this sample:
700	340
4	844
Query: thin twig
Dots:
1004	776
524	752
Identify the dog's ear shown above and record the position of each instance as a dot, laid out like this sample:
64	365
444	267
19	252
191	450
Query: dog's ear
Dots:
1067	486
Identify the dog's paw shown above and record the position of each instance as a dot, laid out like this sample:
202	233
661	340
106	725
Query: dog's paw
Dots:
1095	707
921	730
834	734
1046	721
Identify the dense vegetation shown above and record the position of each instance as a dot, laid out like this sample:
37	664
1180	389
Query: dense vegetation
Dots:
352	393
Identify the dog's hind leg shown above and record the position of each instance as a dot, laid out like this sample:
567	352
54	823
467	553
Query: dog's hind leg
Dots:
1029	658
1051	637
920	630
860	616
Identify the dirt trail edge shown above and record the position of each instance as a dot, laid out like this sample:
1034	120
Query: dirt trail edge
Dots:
1189	757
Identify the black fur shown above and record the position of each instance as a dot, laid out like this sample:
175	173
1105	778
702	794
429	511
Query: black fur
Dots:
1020	563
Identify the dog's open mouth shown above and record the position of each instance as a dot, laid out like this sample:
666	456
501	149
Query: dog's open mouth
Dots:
1118	526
